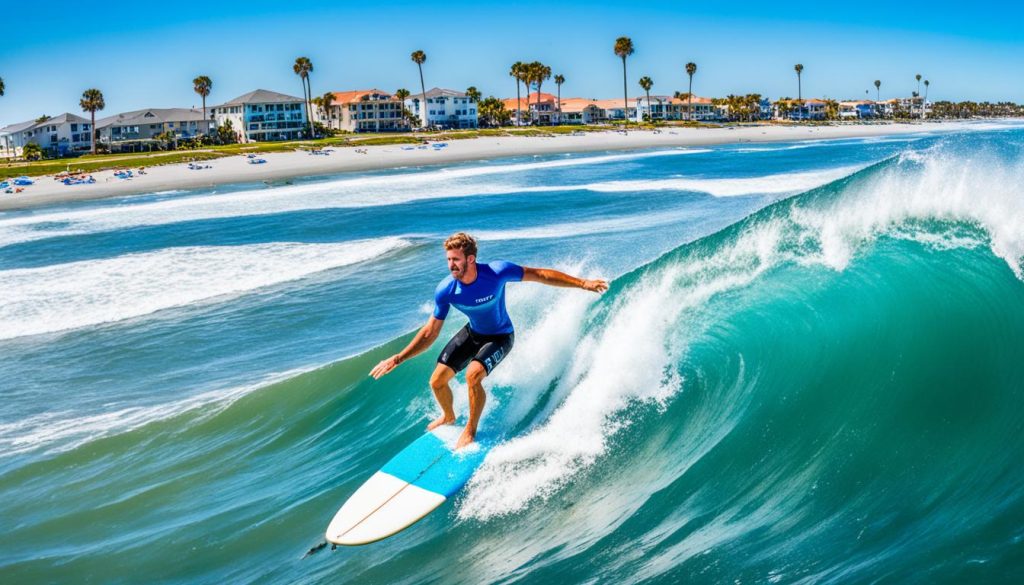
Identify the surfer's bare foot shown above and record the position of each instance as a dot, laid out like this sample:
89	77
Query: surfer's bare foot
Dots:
444	419
466	438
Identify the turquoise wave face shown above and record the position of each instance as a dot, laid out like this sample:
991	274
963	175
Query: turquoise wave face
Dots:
826	390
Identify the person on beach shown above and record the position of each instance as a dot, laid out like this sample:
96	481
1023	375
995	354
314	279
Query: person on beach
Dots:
478	291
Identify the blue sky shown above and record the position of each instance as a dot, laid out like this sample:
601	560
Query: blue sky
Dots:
145	55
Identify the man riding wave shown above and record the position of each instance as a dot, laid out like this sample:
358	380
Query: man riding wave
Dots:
478	291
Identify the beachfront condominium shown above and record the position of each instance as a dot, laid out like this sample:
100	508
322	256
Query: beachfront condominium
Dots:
579	111
809	109
138	130
536	108
445	109
367	110
701	109
263	115
57	135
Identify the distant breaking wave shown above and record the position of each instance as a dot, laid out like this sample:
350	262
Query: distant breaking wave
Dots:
367	191
64	297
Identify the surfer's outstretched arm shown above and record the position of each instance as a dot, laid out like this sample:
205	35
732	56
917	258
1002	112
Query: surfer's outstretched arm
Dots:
424	338
552	277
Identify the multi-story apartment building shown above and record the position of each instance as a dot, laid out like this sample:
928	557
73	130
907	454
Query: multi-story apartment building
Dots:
809	109
698	108
543	113
263	115
446	108
367	110
858	109
58	135
131	130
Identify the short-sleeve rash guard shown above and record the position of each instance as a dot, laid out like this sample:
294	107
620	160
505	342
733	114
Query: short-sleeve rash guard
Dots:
483	301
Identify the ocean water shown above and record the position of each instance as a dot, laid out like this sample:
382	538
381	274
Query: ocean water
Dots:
808	369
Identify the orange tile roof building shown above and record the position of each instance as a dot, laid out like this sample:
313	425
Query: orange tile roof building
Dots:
544	113
367	110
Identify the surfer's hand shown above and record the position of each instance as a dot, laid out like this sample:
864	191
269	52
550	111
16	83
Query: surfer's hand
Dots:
384	367
598	286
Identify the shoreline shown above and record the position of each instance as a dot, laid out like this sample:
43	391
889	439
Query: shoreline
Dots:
290	165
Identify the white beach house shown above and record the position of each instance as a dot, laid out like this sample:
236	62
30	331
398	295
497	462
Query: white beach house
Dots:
446	108
138	129
263	115
57	135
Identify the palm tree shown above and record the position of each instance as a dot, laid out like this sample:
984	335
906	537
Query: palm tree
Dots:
403	94
303	67
799	71
878	90
926	84
2	86
516	71
92	101
559	80
624	48
918	78
418	57
691	68
539	72
647	83
202	86
473	94
326	102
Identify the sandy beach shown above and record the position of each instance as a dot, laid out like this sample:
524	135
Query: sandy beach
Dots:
282	166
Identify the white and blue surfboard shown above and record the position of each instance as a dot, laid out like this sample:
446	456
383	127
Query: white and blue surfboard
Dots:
411	485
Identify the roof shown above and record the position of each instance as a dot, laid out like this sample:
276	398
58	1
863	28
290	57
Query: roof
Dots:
696	100
151	116
530	98
345	97
614	104
437	91
14	128
576	104
806	102
64	118
261	96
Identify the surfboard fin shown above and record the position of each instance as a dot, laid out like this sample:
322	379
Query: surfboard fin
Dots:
316	549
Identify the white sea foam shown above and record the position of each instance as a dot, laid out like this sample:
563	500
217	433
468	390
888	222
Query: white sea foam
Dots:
81	294
935	185
626	360
777	184
597	226
625	356
369	191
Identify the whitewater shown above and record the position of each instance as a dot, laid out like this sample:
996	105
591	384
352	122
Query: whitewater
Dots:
807	369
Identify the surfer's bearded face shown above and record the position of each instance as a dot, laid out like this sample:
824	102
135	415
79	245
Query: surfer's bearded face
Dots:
458	262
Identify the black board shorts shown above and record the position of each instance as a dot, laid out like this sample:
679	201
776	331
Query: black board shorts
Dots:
468	345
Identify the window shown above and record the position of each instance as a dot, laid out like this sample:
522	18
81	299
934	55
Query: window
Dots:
74	127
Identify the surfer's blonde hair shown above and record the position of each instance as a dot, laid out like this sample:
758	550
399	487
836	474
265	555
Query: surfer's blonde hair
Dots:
461	241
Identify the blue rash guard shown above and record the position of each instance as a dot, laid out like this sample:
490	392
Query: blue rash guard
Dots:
483	300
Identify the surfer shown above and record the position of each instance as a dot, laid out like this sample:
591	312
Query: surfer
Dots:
478	290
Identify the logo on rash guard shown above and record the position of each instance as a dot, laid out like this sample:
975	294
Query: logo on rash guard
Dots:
484	299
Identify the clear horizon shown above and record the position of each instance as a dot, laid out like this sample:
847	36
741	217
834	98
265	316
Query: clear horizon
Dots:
142	57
